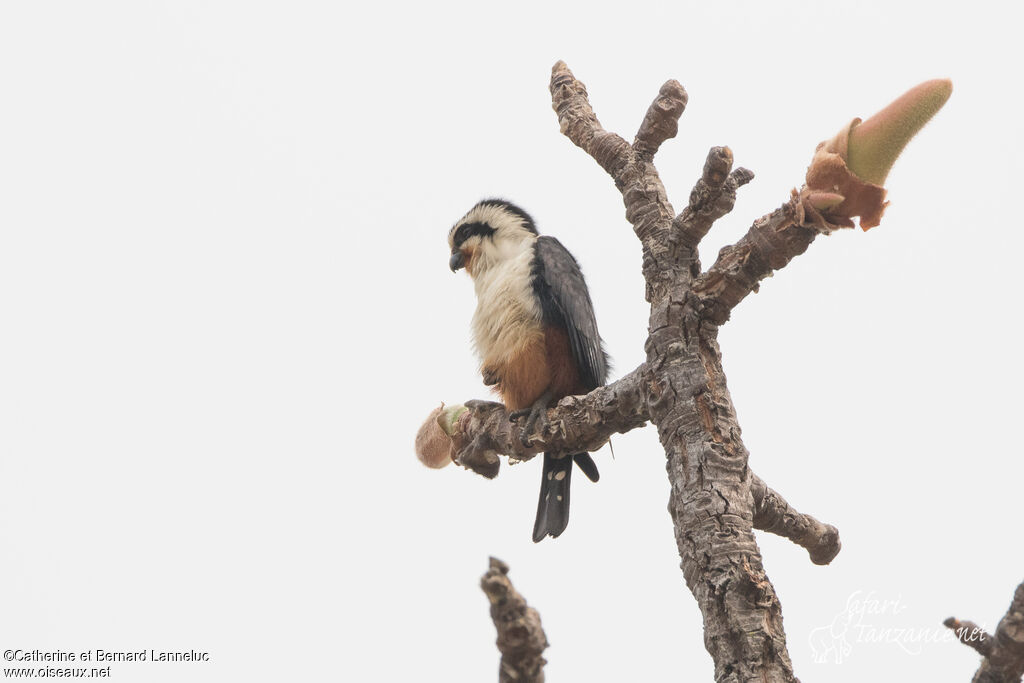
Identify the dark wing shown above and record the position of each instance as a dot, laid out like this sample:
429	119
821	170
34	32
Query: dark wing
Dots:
559	285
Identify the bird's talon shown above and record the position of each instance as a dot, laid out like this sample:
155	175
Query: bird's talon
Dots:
537	413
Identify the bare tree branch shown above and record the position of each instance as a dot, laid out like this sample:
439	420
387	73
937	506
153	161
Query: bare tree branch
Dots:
521	638
1002	652
577	423
711	198
971	635
662	119
579	123
647	205
773	514
772	242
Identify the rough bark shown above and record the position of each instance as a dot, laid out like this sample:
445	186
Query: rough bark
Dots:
712	197
521	638
1003	652
770	243
773	514
689	402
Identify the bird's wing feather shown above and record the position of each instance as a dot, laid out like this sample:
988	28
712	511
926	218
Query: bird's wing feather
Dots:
565	300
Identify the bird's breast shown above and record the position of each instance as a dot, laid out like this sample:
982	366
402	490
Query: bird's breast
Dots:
508	316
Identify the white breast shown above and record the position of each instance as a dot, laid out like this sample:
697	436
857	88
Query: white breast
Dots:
507	314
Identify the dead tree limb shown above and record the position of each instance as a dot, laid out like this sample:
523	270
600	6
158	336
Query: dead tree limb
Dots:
971	635
521	638
773	514
1003	652
712	197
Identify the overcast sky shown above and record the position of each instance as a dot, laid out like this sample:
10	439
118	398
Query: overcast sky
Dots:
225	309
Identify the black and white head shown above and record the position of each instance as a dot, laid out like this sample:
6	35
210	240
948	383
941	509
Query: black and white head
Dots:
492	231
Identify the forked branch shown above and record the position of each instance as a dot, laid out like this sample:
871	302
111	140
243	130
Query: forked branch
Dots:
711	198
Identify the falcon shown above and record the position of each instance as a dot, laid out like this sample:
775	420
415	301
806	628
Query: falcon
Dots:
534	331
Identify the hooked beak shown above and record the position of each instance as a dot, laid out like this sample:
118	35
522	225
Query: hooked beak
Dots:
458	260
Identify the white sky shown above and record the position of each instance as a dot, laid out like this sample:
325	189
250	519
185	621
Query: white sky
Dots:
225	309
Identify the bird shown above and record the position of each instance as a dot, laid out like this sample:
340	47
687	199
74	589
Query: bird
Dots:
534	331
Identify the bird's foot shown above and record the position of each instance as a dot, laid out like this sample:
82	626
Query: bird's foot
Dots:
538	411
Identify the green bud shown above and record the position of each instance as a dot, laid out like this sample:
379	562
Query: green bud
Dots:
874	144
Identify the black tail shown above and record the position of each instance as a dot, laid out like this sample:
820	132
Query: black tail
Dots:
587	464
553	506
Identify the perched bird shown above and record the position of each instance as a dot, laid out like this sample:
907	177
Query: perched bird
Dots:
534	330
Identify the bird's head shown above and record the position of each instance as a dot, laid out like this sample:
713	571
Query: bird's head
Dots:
490	232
